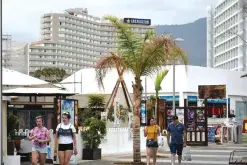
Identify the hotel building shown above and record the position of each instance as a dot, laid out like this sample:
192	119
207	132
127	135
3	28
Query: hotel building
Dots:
226	35
74	40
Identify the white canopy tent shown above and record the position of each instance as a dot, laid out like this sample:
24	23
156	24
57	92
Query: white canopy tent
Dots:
14	78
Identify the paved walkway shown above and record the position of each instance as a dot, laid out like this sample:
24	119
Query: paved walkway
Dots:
211	155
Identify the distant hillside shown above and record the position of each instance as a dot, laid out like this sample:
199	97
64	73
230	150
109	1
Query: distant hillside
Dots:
194	35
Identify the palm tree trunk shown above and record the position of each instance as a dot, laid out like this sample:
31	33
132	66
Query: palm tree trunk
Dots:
137	89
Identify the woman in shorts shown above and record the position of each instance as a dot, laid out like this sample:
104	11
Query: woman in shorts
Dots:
40	137
65	140
152	132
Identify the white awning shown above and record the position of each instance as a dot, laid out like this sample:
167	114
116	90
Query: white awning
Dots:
14	78
48	91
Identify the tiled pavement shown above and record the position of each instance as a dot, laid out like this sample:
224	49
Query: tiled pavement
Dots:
211	155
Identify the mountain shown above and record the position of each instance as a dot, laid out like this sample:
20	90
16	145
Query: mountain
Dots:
194	35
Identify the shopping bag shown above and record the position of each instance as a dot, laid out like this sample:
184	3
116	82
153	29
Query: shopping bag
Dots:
160	140
186	154
72	160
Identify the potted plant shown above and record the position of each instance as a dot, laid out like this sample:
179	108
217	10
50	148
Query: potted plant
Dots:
93	132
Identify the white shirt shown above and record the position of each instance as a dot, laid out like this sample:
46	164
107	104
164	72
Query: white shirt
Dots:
65	139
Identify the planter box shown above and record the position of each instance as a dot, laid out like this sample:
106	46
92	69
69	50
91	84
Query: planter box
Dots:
91	154
12	159
10	147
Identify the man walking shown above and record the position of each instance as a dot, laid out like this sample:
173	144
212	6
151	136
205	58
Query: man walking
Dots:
176	139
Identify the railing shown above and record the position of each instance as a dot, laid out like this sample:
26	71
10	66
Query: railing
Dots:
238	157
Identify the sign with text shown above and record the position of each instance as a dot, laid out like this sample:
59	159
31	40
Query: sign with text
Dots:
137	21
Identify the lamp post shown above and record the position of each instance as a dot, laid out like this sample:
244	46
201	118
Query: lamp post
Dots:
174	79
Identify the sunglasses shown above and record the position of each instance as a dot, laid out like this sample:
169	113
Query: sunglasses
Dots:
66	113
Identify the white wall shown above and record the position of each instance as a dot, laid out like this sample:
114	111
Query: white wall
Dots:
118	141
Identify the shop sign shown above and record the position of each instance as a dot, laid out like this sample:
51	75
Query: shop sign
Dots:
137	21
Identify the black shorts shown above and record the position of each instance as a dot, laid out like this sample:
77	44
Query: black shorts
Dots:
176	148
65	147
154	145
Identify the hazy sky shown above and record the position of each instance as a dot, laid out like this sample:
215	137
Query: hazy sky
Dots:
21	18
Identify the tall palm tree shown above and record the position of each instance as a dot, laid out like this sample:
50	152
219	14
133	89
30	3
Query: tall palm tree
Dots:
158	80
142	56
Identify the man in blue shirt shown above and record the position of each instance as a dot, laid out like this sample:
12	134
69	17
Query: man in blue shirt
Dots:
176	139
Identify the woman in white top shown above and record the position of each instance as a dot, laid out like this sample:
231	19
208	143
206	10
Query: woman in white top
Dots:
65	140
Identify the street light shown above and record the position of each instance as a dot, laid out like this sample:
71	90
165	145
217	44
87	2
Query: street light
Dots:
174	61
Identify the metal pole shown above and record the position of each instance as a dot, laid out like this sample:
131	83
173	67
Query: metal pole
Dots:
174	97
146	97
81	82
1	131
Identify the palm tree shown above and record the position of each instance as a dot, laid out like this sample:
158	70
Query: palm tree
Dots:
142	56
160	77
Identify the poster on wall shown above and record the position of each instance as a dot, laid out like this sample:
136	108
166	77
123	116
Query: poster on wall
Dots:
180	114
200	115
70	106
191	115
211	134
169	115
191	125
143	114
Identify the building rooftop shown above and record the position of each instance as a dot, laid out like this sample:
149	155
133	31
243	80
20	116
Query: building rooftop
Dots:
187	80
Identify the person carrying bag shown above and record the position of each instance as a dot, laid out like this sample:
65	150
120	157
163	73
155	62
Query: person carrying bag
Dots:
152	132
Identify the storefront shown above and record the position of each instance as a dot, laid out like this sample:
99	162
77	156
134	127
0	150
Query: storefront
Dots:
28	103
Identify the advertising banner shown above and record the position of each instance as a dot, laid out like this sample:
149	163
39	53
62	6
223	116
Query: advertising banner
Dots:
143	113
67	105
212	92
211	134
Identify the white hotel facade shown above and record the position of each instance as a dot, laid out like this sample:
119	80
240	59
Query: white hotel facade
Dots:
226	35
74	40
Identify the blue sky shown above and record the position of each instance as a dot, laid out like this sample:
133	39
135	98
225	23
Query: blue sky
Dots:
21	18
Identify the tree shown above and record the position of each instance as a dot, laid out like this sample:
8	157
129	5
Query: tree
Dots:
142	56
96	105
38	73
158	80
52	75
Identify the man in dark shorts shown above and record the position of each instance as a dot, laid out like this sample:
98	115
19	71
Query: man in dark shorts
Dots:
176	139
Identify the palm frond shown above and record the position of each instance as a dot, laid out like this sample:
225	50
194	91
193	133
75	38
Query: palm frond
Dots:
158	80
155	56
105	64
128	41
